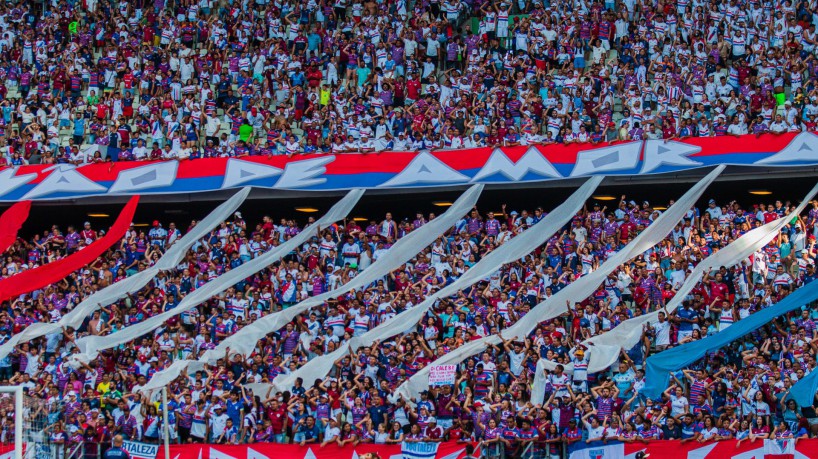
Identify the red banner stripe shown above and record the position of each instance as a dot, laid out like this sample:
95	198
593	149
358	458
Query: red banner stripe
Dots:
33	279
10	223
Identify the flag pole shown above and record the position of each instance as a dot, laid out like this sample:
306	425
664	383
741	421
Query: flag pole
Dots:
165	421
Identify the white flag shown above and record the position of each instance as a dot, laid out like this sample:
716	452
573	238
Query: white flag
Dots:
418	450
779	448
616	451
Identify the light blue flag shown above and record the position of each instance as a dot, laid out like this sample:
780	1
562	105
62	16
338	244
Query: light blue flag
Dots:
803	392
659	366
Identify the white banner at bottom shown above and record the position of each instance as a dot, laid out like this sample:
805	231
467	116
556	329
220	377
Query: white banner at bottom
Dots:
140	450
779	449
418	450
615	451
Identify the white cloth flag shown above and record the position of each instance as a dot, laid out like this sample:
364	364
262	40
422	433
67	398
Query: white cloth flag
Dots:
581	288
402	251
779	448
91	345
244	342
514	249
119	290
604	349
597	451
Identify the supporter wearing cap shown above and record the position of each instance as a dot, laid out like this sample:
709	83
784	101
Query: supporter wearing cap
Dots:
332	432
218	424
433	432
572	433
126	423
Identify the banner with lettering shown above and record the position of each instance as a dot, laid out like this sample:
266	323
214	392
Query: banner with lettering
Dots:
400	170
600	451
419	450
446	450
442	375
665	449
140	450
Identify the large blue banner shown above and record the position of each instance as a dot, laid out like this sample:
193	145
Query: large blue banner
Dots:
659	366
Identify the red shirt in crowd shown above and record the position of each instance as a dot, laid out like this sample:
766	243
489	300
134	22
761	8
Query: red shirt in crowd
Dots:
278	418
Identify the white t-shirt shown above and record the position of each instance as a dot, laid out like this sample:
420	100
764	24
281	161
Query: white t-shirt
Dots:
516	362
218	424
331	433
432	47
677	405
677	278
594	432
351	252
580	233
662	333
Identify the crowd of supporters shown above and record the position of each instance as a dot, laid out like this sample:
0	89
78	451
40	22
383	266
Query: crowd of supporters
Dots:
93	81
735	393
184	79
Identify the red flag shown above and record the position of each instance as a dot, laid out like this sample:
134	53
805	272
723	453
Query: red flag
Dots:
10	223
33	279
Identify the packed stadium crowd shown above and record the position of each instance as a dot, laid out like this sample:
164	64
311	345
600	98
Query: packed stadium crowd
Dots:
738	392
184	79
95	81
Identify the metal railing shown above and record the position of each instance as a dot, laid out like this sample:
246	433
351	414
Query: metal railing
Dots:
492	450
75	451
532	450
48	450
94	450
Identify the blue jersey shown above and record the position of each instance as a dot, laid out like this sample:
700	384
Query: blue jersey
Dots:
686	313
